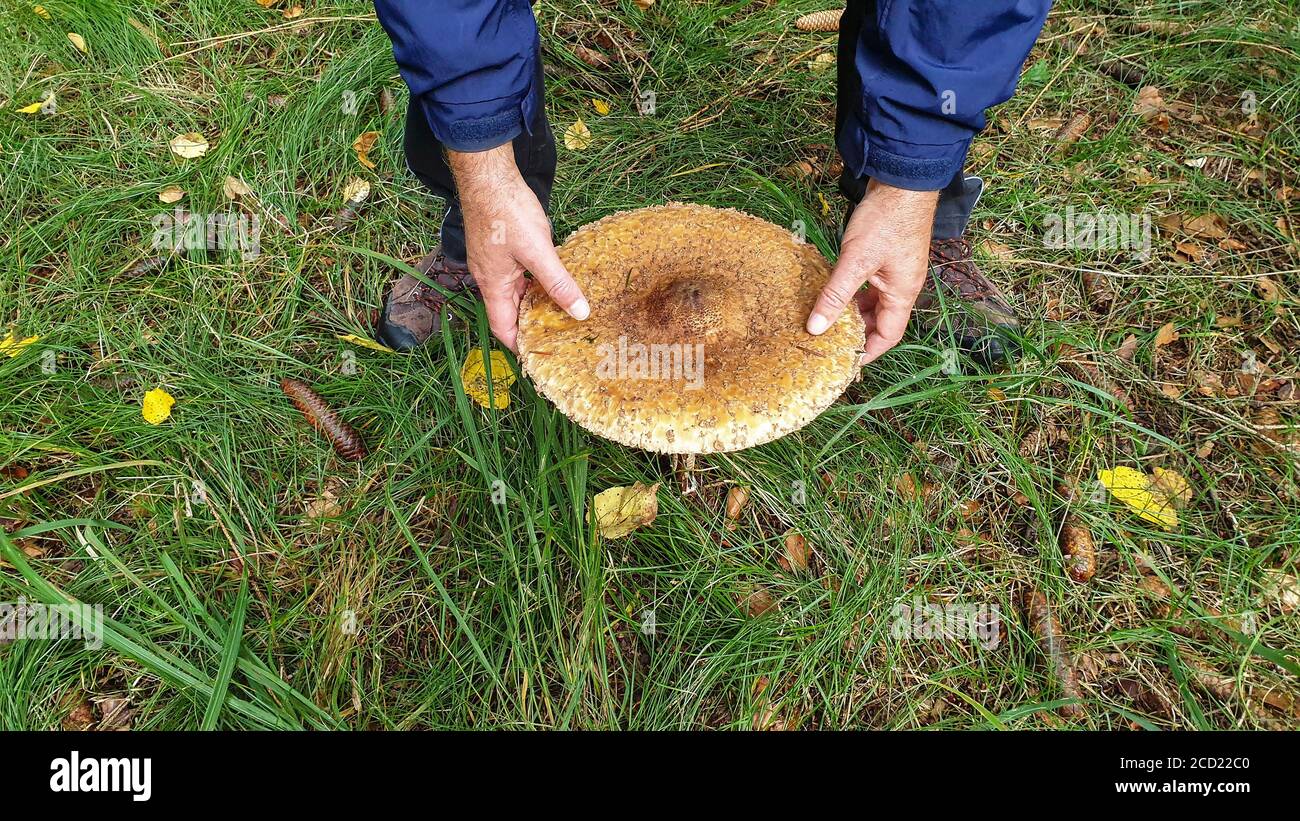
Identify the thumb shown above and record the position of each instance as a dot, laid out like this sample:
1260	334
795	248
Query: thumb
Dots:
546	267
848	276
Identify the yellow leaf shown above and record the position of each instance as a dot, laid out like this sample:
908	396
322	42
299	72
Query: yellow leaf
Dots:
41	12
375	346
620	510
602	107
31	109
293	12
363	145
190	146
473	376
12	346
1172	486
78	41
157	406
1133	488
577	137
826	205
822	62
356	191
172	193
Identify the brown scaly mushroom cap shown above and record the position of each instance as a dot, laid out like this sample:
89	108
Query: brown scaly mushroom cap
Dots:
696	340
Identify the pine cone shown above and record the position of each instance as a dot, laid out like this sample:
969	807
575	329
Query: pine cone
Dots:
828	20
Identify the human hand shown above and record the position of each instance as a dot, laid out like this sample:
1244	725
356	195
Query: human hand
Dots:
886	245
507	232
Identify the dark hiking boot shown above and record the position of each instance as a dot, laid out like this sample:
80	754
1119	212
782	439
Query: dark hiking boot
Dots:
983	324
414	311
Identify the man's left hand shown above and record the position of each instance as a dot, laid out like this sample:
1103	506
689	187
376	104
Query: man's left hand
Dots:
886	245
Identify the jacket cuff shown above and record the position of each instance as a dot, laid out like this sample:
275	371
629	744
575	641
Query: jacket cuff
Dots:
902	165
479	126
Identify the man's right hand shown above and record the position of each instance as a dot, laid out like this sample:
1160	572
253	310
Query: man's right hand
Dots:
506	233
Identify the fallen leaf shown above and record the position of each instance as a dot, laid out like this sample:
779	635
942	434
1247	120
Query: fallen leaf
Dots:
156	406
356	190
1171	486
997	250
796	551
1078	549
234	188
190	146
375	346
473	376
172	193
737	498
1285	588
1073	128
1166	334
363	145
1212	226
602	107
644	5
1128	348
41	12
11	345
1133	488
822	61
620	510
31	109
324	506
78	41
293	12
757	601
82	717
591	56
577	137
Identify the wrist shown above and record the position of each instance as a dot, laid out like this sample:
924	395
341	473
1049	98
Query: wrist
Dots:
481	175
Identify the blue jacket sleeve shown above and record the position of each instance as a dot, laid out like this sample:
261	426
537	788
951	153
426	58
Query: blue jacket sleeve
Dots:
471	65
929	68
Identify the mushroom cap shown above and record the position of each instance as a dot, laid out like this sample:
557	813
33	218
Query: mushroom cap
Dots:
696	340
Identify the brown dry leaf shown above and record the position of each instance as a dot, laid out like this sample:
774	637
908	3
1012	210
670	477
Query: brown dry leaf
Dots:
190	145
1188	251
324	506
81	717
356	190
620	510
591	57
1128	348
234	188
796	552
1150	106
644	5
737	498
997	250
363	146
293	12
1167	334
115	714
1045	123
757	601
822	61
1211	226
170	194
1073	128
1268	290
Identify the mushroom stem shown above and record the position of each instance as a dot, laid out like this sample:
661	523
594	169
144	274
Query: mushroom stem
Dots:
685	471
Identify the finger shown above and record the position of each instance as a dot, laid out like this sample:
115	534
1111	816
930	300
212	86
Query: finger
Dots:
546	267
502	304
890	322
848	276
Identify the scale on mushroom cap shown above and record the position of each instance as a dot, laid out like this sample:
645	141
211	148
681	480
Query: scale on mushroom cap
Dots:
696	341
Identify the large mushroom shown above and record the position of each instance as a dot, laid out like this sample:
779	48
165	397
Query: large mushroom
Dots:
696	341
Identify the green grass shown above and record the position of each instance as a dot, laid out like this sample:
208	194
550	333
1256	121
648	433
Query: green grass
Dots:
234	612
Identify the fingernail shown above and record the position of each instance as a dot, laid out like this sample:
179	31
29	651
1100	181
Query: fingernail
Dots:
817	324
580	310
